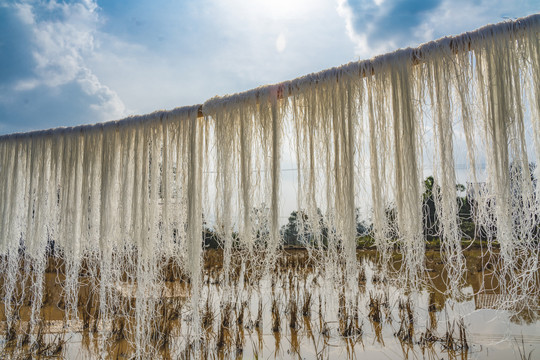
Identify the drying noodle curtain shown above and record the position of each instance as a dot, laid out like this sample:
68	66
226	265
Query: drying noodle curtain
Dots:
124	198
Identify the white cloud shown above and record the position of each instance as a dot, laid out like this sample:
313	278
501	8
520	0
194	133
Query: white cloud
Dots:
100	61
109	104
221	48
377	26
24	12
380	26
63	36
26	84
454	17
310	30
359	39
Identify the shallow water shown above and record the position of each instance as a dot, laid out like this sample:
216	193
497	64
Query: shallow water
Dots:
375	318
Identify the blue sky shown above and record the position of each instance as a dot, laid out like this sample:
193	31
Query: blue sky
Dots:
64	63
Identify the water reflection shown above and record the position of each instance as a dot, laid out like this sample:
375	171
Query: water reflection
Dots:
297	311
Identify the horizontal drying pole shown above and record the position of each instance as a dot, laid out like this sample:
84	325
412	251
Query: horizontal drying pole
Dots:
364	68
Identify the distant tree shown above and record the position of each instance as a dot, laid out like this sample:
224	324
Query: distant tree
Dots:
260	221
362	227
210	237
470	205
429	211
519	177
298	231
290	230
